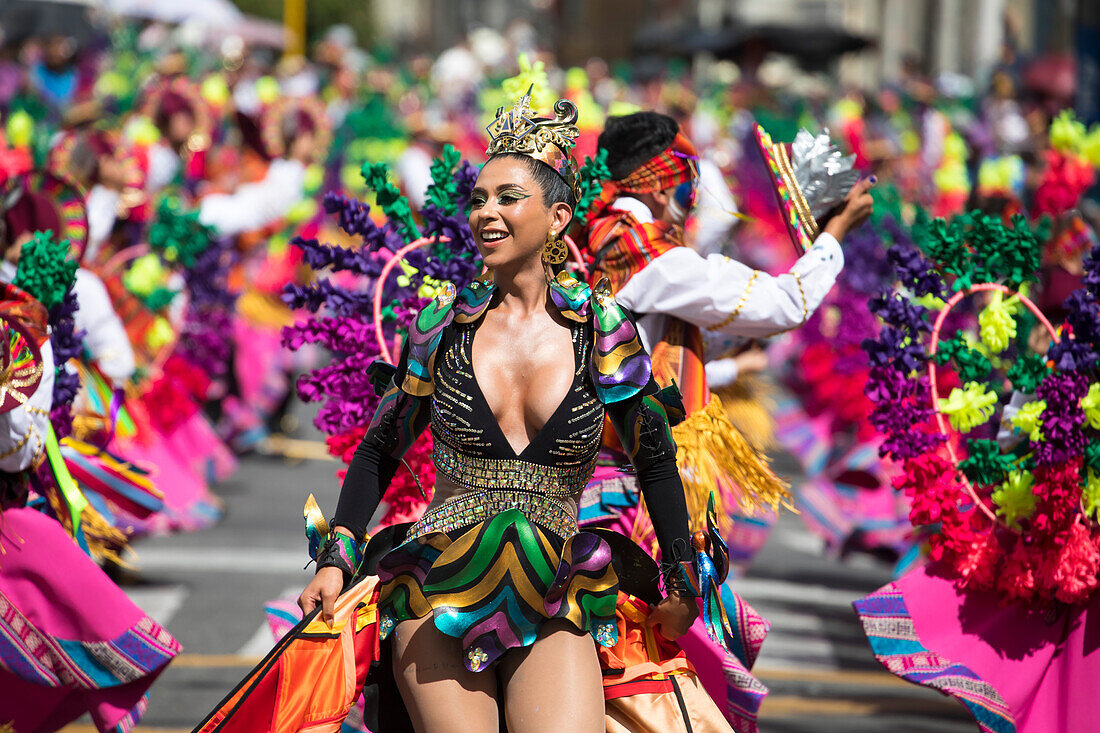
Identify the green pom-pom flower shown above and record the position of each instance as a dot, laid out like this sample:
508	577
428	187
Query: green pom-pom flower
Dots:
177	235
393	204
971	365
46	270
593	174
1028	373
442	193
985	464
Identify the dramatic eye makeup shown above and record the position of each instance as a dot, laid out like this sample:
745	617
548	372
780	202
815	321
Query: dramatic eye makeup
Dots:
511	194
506	195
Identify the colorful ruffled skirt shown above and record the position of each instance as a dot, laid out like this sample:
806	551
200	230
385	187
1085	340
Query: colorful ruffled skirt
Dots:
1014	667
71	642
494	584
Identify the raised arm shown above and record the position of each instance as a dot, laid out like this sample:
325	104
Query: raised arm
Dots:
722	294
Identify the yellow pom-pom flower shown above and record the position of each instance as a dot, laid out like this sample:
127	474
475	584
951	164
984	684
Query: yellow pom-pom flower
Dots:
160	334
314	178
951	176
531	76
576	79
145	275
910	142
215	90
1066	133
1001	174
954	148
619	108
141	131
968	407
847	109
1014	499
1090	147
998	322
931	302
431	288
1029	419
302	211
1090	495
1090	403
267	89
351	179
20	129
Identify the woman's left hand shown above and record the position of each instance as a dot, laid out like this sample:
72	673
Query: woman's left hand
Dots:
675	615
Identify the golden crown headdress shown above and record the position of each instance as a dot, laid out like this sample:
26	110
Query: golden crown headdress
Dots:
548	140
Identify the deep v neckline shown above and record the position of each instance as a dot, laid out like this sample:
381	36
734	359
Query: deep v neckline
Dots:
480	394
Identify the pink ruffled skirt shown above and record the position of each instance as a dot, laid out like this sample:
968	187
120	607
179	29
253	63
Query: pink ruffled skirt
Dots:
1014	667
71	642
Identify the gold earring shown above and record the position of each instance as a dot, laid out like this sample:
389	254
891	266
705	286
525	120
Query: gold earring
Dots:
555	251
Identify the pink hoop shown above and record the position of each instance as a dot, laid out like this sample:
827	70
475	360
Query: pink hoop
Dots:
391	263
120	258
576	252
112	266
941	421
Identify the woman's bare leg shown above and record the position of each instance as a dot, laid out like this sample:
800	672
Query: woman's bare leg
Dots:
554	686
440	693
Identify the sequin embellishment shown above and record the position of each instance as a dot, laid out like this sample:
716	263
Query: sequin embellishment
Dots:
475	658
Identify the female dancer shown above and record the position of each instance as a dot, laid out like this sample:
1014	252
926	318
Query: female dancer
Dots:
478	624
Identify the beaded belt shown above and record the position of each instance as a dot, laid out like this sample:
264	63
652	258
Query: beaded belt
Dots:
478	506
495	473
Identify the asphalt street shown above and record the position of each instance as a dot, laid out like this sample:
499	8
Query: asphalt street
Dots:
209	588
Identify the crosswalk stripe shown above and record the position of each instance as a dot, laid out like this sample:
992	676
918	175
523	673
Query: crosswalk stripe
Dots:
261	642
159	603
248	560
758	591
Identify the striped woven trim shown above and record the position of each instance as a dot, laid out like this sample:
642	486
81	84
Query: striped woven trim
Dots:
896	645
44	660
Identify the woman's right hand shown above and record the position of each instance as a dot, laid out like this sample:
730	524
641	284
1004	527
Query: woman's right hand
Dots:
855	209
324	589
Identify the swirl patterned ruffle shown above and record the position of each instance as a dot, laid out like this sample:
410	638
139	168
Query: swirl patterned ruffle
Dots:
493	585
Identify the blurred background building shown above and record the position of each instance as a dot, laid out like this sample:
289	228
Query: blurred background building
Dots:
858	42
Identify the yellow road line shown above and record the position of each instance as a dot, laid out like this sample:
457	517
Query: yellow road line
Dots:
838	676
313	450
213	661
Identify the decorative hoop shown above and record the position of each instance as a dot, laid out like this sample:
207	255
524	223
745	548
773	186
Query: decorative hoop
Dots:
575	251
123	256
391	263
271	120
941	421
200	111
113	267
